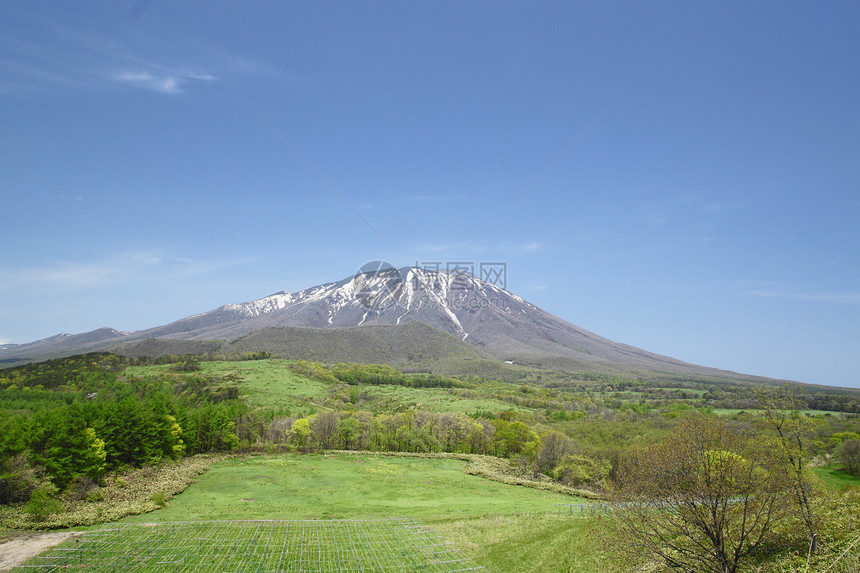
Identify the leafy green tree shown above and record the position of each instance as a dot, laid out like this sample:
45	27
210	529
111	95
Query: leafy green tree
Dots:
72	449
704	500
42	503
300	432
514	438
347	432
18	479
211	429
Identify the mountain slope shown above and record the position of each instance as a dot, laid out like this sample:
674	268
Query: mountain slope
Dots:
493	321
413	345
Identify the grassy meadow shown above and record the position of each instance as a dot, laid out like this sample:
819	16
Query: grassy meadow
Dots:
271	384
500	527
320	486
264	383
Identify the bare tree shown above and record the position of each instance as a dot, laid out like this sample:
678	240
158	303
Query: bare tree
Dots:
323	428
704	500
849	454
791	435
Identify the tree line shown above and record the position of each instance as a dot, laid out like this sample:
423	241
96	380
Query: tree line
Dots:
374	374
92	423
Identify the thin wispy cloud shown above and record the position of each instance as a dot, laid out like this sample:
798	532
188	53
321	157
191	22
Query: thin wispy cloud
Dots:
530	247
137	10
811	297
165	82
87	59
123	269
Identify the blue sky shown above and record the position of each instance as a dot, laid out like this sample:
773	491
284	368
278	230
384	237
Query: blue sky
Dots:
679	176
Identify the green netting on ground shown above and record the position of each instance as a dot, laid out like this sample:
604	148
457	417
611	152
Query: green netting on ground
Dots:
385	545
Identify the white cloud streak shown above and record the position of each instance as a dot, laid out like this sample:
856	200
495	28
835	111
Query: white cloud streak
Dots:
814	297
123	269
87	59
161	81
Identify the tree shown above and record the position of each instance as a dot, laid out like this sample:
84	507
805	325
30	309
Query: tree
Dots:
514	438
554	446
300	431
792	433
347	432
704	500
324	426
849	454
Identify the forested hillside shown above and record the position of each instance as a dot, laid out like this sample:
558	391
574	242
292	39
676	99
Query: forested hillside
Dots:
67	423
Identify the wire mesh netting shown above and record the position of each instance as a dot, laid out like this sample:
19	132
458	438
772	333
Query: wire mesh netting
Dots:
385	545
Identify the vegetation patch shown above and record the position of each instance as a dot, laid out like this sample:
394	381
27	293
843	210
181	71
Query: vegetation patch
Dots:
130	493
343	486
528	543
389	545
85	440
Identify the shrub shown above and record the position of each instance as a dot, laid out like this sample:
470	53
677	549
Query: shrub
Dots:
42	504
18	479
159	498
81	488
578	470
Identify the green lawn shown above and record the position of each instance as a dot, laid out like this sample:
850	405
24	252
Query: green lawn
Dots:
347	487
528	544
500	527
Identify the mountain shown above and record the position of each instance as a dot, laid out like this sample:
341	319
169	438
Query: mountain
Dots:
413	345
59	345
481	321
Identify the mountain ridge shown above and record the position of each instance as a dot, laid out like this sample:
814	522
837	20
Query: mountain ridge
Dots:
479	313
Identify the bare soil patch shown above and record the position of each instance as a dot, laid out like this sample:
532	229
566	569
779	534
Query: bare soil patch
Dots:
18	550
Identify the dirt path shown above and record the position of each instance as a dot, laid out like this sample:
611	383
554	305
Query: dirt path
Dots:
19	550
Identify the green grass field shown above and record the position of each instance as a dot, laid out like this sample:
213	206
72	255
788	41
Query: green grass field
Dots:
354	546
500	527
733	411
271	384
340	512
348	487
